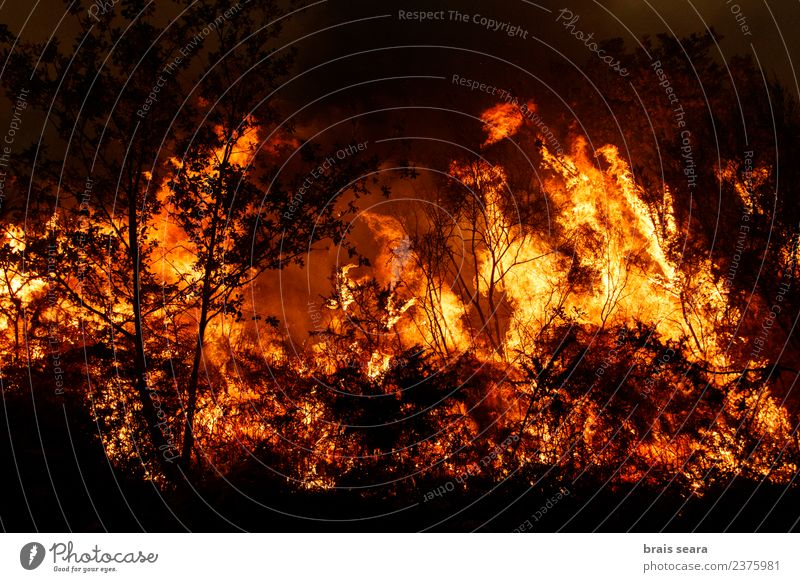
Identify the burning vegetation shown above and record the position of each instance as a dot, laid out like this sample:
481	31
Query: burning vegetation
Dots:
519	311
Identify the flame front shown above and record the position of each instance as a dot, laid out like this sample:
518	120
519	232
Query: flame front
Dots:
474	316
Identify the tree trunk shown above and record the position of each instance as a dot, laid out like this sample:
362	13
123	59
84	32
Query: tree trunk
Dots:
191	405
162	445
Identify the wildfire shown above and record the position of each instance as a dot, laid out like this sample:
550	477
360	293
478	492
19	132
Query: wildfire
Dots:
521	277
22	287
502	120
479	283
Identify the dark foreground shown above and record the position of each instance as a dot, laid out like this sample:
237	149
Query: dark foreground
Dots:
58	479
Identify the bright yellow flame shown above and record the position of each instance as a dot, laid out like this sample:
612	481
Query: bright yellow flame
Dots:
502	121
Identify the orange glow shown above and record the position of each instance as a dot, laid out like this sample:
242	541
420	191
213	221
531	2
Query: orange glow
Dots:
502	121
487	288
